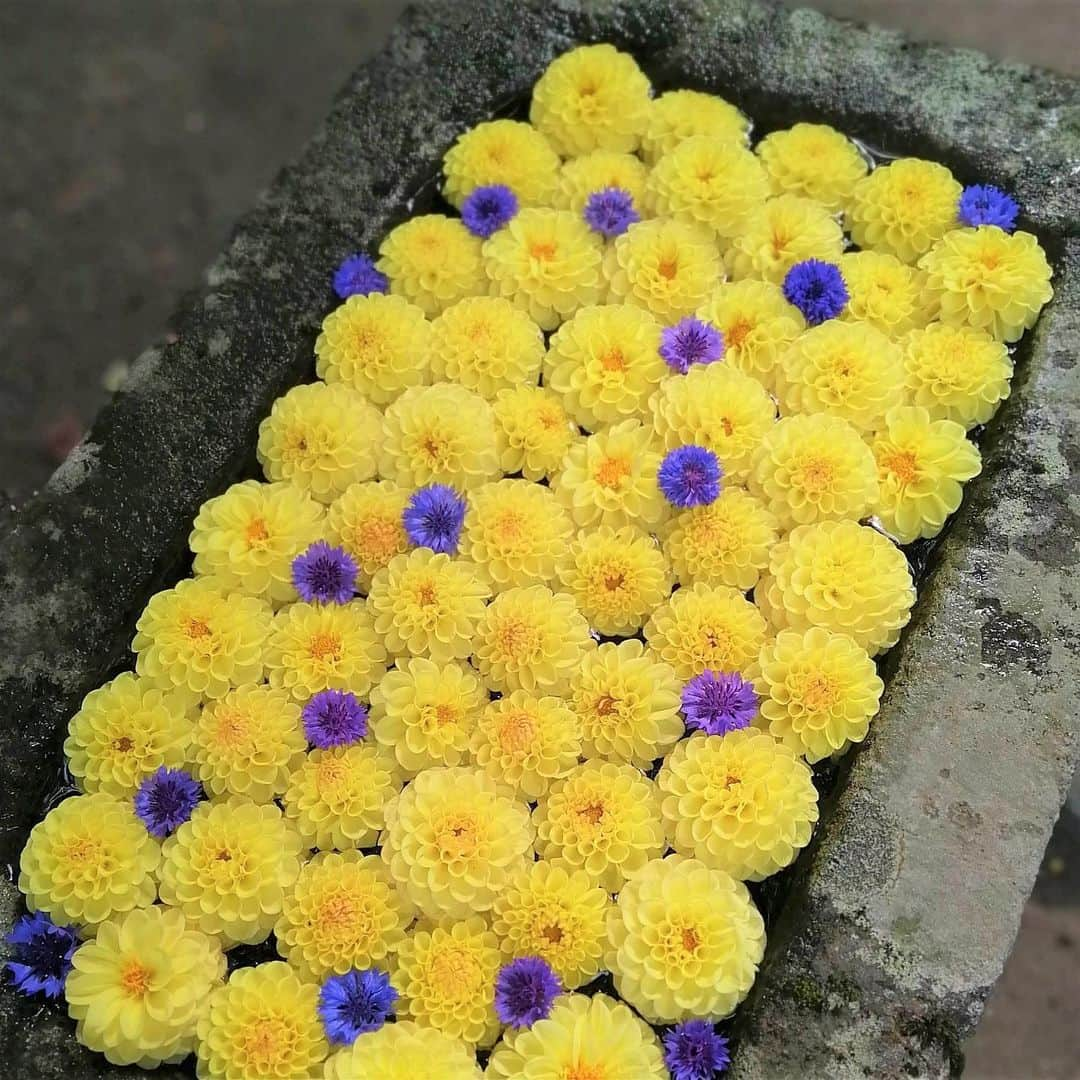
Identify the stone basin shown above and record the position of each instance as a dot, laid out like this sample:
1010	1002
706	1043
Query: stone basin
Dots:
887	935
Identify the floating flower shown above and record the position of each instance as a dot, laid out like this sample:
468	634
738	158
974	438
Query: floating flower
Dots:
487	209
403	1051
813	160
355	1003
689	476
884	291
322	437
138	989
604	819
984	204
325	574
817	289
679	114
39	956
685	939
903	208
694	1051
434	517
533	431
819	691
378	345
166	799
334	718
366	520
690	341
922	467
591	98
357	276
525	990
610	212
718	703
453	840
88	859
582	178
779	235
987	279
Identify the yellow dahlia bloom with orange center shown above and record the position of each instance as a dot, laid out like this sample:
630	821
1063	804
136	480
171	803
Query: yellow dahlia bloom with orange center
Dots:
403	1051
922	467
743	803
988	279
583	176
425	712
815	161
427	604
228	867
679	114
138	989
365	519
432	261
818	690
532	430
706	628
903	208
591	98
604	818
685	941
814	468
884	292
377	344
343	913
198	638
616	578
88	859
605	362
530	639
315	647
781	232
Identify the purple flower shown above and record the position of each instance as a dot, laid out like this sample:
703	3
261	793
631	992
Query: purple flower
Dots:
610	212
524	991
357	276
817	289
984	204
434	517
354	1003
690	476
41	955
718	702
324	573
165	800
334	718
690	341
488	209
693	1051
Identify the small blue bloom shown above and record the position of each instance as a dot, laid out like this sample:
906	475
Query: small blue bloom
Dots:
690	476
334	718
610	212
817	289
487	209
694	1051
718	702
357	276
41	955
325	574
355	1003
524	991
984	204
690	341
434	518
166	799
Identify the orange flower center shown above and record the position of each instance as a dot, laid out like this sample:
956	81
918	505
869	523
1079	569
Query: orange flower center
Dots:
195	627
818	693
135	979
377	538
816	475
553	934
592	812
516	637
668	267
267	1043
690	939
614	581
611	472
605	706
613	360
518	732
325	646
123	745
426	594
510	525
903	465
233	728
583	1070
329	773
456	974
542	250
736	334
256	531
458	837
549	418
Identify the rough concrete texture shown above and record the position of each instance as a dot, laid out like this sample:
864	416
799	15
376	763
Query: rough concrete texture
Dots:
906	907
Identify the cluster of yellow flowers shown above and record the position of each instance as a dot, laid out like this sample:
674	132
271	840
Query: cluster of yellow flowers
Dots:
514	786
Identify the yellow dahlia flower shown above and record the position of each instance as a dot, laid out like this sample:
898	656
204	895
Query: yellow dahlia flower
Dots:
781	232
813	468
591	98
718	407
137	990
957	373
365	519
546	262
583	1038
527	741
505	152
715	182
583	176
426	713
124	731
922	467
403	1051
88	859
988	279
885	292
428	604
616	577
818	690
706	628
446	978
322	437
532	430
851	370
743	803
486	344
441	434
453	839
514	531
685	941
679	114
604	818
725	543
433	261
263	1024
317	647
247	742
667	266
335	797
605	362
628	704
903	208
815	161
845	577
342	913
557	915
530	639
198	638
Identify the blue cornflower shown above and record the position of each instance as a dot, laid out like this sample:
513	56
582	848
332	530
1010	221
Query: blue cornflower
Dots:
334	718
718	702
41	955
690	476
610	212
325	574
165	800
694	1051
487	209
524	991
817	289
357	276
690	341
354	1003
434	517
984	204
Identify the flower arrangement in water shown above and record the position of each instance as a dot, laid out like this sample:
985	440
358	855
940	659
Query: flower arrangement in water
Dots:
576	558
